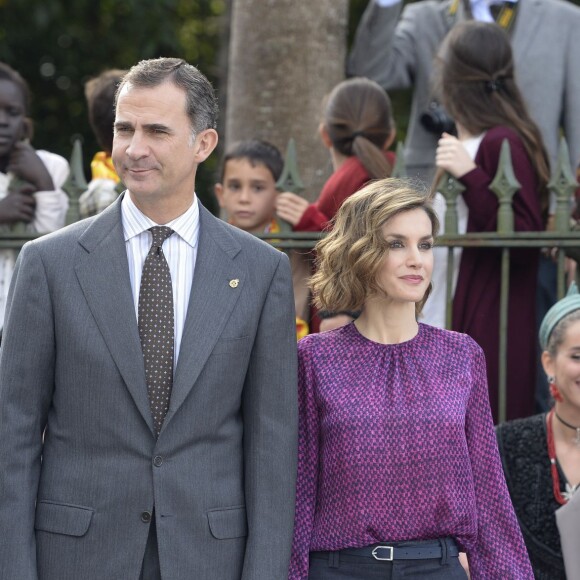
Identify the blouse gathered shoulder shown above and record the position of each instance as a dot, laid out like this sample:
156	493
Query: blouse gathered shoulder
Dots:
396	442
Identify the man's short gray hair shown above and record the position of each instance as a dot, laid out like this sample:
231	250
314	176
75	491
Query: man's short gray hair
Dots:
201	101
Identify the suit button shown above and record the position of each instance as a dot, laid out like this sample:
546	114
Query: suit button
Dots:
146	517
158	461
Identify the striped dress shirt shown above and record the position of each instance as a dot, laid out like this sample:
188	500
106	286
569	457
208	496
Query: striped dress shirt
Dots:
180	251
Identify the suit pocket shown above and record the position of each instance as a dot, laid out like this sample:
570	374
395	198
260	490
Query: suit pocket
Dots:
59	518
228	523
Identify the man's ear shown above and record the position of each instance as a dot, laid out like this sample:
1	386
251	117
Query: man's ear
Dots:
204	144
218	189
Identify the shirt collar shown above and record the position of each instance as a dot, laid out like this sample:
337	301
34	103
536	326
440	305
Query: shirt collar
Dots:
135	222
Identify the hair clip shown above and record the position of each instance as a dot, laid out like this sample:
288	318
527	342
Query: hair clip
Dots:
493	85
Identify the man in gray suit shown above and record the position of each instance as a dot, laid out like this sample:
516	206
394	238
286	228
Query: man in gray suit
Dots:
112	468
397	50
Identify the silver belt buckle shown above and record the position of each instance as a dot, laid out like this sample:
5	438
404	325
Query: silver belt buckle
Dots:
388	558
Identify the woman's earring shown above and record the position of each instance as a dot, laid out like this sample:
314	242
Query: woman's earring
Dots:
554	390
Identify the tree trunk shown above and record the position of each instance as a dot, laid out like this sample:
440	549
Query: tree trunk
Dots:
285	56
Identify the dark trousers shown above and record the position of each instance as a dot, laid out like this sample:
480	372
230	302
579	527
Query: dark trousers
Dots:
342	566
151	569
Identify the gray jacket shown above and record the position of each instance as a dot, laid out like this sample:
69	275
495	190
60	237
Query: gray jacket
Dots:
398	53
81	467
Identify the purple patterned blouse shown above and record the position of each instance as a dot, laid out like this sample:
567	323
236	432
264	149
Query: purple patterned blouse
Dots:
397	443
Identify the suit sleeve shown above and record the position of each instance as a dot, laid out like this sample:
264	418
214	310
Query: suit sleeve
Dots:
26	388
270	433
384	48
572	92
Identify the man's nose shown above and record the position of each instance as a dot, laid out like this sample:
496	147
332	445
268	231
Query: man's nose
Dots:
137	147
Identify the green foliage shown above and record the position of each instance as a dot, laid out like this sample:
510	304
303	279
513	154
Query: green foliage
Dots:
57	46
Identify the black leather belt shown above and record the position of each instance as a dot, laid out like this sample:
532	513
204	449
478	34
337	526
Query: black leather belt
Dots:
385	552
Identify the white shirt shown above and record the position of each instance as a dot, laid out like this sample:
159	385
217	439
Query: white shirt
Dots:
434	309
180	251
49	215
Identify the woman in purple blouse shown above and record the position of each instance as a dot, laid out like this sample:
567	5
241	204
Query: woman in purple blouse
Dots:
398	463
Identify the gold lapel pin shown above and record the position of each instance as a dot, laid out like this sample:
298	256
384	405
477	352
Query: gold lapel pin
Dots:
234	283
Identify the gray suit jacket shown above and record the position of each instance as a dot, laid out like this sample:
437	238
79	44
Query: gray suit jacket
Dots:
398	53
80	465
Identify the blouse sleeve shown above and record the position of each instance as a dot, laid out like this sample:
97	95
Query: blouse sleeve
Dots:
307	478
499	552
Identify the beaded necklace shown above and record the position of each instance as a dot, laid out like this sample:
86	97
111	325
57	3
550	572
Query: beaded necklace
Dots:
552	455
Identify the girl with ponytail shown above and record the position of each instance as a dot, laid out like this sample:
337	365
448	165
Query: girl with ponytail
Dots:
357	127
477	83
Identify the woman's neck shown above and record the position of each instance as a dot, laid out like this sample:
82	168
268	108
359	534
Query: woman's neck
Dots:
570	415
387	322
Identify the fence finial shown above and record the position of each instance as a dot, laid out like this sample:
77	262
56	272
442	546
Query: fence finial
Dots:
504	185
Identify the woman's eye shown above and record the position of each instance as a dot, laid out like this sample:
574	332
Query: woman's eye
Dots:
395	244
425	245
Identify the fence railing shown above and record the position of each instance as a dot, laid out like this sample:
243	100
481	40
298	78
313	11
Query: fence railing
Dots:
505	185
563	185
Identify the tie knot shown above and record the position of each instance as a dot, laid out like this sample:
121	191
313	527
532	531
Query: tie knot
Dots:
160	234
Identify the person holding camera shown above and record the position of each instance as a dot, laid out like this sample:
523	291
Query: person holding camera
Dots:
396	47
479	90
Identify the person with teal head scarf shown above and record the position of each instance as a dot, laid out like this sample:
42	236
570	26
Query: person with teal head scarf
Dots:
541	454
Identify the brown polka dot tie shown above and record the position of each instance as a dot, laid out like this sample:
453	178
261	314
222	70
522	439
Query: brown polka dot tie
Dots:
156	326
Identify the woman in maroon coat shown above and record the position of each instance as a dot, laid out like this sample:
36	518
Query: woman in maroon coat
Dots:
477	85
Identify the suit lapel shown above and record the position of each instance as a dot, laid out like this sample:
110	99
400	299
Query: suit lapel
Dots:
211	302
103	274
528	19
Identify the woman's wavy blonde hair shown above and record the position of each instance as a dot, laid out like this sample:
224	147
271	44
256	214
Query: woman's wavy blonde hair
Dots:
349	257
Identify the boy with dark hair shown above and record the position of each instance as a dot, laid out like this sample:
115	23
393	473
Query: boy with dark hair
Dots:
30	180
247	193
103	188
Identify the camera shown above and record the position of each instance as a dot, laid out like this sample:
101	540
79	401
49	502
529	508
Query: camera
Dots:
436	120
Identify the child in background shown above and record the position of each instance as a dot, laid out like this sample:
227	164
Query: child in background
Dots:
30	181
477	84
247	192
103	188
357	127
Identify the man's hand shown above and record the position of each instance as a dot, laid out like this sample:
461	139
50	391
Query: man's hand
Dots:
452	156
291	207
26	165
17	207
